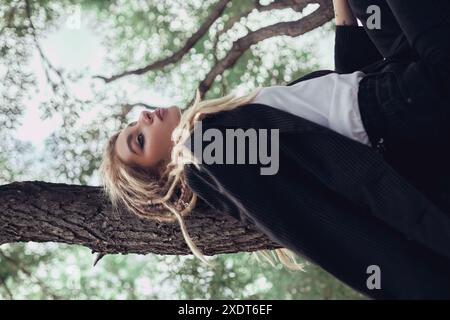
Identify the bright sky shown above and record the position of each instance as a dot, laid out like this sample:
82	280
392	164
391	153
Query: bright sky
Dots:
73	47
68	48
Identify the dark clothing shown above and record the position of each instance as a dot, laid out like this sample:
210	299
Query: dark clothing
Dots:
404	98
334	201
342	204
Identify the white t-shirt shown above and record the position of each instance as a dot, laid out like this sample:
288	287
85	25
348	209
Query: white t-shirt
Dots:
330	100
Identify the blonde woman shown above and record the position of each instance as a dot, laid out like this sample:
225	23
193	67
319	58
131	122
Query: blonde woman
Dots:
333	196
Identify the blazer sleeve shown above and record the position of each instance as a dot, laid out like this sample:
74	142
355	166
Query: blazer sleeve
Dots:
206	188
351	170
353	49
299	209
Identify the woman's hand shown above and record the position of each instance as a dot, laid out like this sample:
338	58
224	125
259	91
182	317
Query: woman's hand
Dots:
343	13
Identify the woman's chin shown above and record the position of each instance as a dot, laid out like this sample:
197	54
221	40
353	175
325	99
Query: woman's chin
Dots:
174	112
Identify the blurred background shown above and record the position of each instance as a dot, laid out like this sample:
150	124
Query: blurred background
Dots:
56	116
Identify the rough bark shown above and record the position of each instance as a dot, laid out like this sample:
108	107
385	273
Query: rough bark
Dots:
73	214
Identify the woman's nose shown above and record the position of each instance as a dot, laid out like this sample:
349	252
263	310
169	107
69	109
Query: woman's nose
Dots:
146	117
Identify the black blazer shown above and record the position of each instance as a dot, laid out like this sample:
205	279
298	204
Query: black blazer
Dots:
334	201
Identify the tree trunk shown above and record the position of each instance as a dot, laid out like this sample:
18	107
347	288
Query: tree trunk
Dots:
73	214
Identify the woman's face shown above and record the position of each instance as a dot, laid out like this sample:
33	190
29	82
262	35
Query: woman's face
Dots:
147	141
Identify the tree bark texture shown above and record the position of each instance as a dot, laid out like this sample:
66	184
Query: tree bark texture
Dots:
81	215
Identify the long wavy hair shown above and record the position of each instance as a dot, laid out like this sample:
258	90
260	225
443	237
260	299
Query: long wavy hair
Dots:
165	196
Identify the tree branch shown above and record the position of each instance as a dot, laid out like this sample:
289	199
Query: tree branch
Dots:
7	290
73	214
48	66
19	266
296	5
215	14
292	29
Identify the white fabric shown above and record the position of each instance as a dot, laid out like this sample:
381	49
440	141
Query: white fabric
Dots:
330	100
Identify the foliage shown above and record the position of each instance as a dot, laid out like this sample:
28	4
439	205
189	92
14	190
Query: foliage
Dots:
135	33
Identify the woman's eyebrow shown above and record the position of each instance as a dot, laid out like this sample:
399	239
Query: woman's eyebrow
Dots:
132	124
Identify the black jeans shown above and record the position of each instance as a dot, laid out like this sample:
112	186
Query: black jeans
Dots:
419	27
390	35
411	129
416	33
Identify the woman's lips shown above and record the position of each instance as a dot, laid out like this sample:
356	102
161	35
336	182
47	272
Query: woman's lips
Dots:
160	113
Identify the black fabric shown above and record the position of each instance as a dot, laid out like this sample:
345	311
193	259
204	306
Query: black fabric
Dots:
404	97
345	205
427	29
415	140
414	40
386	39
335	201
361	53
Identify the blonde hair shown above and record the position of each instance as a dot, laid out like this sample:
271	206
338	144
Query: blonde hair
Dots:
166	197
